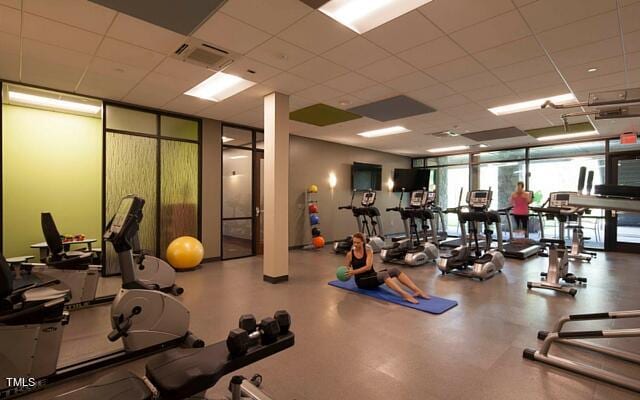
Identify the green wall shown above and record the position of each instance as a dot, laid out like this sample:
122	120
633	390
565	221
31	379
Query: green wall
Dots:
51	162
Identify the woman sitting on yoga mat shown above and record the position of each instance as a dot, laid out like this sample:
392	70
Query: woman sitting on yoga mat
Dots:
360	262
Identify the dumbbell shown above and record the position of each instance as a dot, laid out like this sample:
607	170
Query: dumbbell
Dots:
250	333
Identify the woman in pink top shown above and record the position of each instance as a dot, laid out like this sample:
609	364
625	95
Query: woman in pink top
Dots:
520	201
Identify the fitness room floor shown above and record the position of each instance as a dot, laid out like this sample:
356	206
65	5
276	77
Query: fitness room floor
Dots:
352	346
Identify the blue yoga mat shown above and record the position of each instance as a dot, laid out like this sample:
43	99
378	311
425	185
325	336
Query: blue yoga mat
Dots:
435	305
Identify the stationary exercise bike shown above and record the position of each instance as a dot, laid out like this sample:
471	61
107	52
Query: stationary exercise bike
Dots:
32	319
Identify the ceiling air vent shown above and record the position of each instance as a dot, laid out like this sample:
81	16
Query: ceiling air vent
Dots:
444	134
197	52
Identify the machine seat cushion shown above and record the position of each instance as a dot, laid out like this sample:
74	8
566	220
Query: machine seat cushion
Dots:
120	385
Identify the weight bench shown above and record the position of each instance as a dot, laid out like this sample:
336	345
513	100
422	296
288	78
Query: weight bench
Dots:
181	373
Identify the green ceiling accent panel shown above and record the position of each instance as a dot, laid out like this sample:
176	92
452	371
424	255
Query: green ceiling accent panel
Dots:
559	130
322	115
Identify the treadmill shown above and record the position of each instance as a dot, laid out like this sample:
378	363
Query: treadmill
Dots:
524	249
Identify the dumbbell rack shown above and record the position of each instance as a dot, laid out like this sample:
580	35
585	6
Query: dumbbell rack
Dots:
309	199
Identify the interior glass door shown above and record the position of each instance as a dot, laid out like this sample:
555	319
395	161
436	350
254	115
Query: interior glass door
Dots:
625	226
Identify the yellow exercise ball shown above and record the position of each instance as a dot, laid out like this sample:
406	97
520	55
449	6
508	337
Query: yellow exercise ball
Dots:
185	252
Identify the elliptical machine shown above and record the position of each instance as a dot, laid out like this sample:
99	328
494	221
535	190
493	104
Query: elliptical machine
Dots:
438	221
485	262
409	250
32	321
369	223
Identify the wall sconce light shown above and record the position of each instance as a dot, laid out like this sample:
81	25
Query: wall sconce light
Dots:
233	173
333	180
390	184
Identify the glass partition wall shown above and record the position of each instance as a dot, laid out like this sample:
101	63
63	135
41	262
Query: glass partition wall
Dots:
543	169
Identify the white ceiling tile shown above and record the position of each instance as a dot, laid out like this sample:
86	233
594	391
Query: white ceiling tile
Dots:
579	33
600	82
114	71
632	42
155	90
431	92
317	33
490	92
98	85
253	118
58	34
510	53
9	44
9	65
466	12
129	54
493	32
411	82
52	66
319	70
543	91
374	93
472	82
144	34
629	2
498	101
183	71
82	14
633	60
17	4
590	52
604	67
350	82
260	72
535	82
631	18
404	32
524	69
10	20
432	53
547	14
319	93
345	101
229	33
270	16
356	53
280	54
442	103
468	112
297	102
387	69
455	69
527	120
287	83
187	104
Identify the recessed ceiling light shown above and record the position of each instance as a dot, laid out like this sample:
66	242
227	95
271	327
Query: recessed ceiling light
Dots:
364	15
227	139
567	136
532	104
219	86
447	149
484	145
43	101
392	130
237	157
344	102
592	69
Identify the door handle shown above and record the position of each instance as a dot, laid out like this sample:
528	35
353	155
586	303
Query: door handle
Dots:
259	211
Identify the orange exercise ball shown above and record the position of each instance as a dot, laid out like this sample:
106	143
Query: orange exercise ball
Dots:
185	252
318	242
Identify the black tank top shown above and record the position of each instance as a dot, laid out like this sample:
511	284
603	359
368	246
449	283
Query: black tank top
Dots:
359	263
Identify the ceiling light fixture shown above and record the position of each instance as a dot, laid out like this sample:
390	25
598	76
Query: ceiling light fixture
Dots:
592	69
227	139
392	130
567	136
483	145
219	86
532	104
53	103
447	149
363	15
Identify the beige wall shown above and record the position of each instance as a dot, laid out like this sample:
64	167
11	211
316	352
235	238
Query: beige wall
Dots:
310	162
211	186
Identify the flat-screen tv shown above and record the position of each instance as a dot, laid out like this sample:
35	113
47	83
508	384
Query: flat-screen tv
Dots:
410	179
366	176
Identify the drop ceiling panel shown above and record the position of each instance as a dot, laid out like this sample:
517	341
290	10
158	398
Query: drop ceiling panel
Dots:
350	82
632	42
604	67
81	14
510	53
10	20
345	101
144	34
455	69
483	79
356	53
183	71
392	108
489	92
466	12
582	32
535	82
60	35
319	70
387	69
287	83
431	92
543	15
524	69
187	104
9	44
270	16
631	18
404	32
590	52
442	103
493	32
51	66
280	54
633	61
231	34
129	54
319	93
9	66
495	134
410	82
252	70
317	33
600	82
11	3
104	86
156	90
376	92
435	52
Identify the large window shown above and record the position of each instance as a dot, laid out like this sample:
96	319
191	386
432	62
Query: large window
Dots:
449	181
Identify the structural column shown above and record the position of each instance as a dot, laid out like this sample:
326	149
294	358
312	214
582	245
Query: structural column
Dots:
276	188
